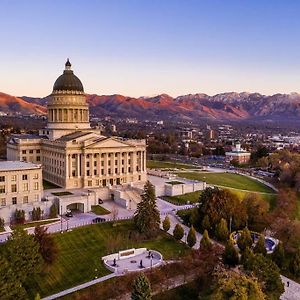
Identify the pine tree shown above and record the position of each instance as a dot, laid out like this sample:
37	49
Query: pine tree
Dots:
206	223
246	257
260	246
19	216
147	217
191	238
166	223
1	224
295	264
141	288
37	297
230	255
178	232
205	243
222	230
47	246
53	211
278	255
10	287
22	252
245	239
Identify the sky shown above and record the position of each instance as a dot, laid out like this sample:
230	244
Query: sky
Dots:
144	48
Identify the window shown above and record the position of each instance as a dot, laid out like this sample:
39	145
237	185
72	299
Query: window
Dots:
23	151
14	200
13	188
102	163
116	170
24	177
108	171
36	186
2	178
73	173
116	162
95	172
25	199
109	162
31	151
122	170
38	151
88	173
129	169
90	183
3	201
95	163
25	187
97	182
95	155
36	197
14	178
102	172
87	164
38	158
24	158
35	176
2	189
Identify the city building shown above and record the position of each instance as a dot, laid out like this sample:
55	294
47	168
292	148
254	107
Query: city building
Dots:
21	187
238	155
73	154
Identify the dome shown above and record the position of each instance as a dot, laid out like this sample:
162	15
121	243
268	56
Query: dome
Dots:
68	81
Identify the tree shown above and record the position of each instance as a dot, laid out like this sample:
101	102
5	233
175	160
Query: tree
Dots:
166	223
53	211
295	264
114	213
230	255
141	288
246	257
178	232
191	237
1	224
205	243
19	216
278	255
222	230
260	246
36	214
205	223
234	286
10	287
245	239
22	251
268	274
47	246
146	216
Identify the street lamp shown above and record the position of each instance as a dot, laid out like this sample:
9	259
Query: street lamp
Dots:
61	218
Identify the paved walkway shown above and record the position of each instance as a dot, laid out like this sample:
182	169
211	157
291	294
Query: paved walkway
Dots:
292	292
81	286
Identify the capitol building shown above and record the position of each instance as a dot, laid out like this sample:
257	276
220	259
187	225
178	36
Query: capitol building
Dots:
72	154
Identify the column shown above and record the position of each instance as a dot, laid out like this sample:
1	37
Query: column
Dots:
92	165
99	164
126	163
134	161
70	165
105	164
67	166
83	165
78	165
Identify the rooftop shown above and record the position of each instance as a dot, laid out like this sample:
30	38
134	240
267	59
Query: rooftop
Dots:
17	165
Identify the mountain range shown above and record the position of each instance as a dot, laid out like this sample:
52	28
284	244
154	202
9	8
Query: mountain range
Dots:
193	107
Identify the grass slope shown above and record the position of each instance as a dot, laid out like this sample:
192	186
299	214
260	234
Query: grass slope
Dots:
100	210
80	253
229	180
155	164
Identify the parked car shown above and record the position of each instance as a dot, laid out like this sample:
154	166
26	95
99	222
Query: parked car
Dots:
98	220
100	201
69	213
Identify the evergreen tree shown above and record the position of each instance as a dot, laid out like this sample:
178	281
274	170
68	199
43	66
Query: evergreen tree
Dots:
141	288
47	246
37	297
166	223
191	238
206	223
147	217
22	252
278	255
36	214
19	216
53	211
222	230
295	264
245	239
1	224
267	272
230	255
10	287
246	257
178	232
205	243
260	246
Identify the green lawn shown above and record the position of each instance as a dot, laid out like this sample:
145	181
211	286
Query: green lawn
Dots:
229	180
80	253
33	224
99	210
183	199
48	185
155	164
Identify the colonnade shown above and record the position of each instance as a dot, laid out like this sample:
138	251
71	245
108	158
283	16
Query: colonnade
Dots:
68	115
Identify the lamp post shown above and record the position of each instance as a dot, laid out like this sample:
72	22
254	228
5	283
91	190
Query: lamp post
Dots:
61	218
230	223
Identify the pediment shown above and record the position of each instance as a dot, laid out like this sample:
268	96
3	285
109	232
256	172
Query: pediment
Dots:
108	143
